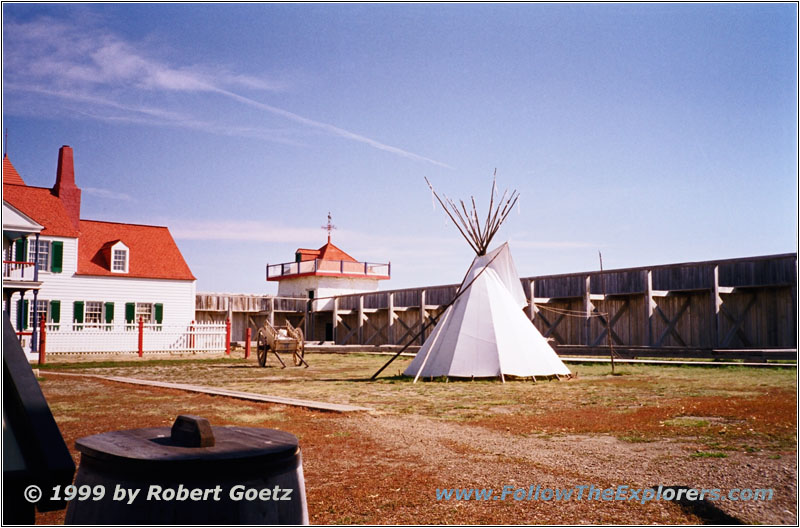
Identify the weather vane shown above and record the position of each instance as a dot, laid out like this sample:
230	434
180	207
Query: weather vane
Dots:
330	227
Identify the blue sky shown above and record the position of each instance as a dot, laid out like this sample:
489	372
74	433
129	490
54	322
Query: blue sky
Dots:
655	133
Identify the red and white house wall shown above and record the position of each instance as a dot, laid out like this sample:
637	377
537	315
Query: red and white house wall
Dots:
96	279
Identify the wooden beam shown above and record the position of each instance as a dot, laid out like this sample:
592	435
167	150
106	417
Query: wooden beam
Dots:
272	311
716	305
531	300
737	323
551	328
649	303
409	330
587	309
350	333
422	316
671	324
391	315
609	326
335	316
378	332
360	325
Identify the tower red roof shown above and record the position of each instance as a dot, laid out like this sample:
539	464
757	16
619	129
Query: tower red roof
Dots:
326	252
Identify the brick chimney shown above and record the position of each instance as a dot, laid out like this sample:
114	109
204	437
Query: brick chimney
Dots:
65	187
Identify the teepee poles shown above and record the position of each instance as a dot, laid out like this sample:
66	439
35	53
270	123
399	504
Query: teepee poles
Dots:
478	234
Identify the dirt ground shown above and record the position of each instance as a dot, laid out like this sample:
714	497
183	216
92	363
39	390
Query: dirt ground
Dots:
696	427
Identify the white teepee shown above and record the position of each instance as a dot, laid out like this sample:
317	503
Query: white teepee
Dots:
485	333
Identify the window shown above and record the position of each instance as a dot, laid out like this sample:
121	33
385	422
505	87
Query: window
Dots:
42	309
93	316
44	254
119	261
118	257
145	311
150	313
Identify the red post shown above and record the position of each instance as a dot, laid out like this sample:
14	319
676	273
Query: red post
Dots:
141	336
191	335
42	341
247	336
228	336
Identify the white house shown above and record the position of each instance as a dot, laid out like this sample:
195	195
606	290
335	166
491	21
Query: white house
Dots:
93	275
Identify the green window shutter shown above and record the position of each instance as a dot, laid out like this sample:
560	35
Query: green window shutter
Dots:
109	312
55	311
57	257
130	312
159	313
78	312
20	253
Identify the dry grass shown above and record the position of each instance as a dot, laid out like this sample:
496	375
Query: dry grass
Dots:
383	467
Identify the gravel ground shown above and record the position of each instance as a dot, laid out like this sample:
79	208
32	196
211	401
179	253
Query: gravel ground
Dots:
466	456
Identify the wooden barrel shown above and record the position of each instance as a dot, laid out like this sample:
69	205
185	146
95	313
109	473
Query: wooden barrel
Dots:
190	474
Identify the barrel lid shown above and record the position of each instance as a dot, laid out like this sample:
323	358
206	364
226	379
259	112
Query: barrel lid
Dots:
142	448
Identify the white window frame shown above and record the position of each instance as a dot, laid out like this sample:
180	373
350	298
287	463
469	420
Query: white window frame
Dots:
123	250
46	311
94	304
147	311
44	265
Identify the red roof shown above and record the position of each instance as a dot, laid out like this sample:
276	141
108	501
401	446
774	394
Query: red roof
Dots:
326	252
152	254
41	205
10	174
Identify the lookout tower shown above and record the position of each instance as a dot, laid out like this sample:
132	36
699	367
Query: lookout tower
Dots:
326	272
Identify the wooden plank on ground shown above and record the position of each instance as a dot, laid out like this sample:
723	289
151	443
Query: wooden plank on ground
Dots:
251	396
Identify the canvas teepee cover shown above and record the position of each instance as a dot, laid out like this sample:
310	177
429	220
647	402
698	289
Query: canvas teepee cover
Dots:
485	333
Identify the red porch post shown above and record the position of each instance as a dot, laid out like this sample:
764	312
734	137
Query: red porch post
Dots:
141	336
228	336
247	336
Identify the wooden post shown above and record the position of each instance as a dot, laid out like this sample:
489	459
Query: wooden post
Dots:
192	335
360	319
42	341
531	297
716	305
248	335
422	315
390	328
647	276
587	309
141	336
228	336
272	312
335	317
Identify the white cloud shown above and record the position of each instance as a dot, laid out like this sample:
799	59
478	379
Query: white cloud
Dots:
105	193
94	67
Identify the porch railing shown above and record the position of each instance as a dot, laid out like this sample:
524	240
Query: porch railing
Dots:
16	270
332	267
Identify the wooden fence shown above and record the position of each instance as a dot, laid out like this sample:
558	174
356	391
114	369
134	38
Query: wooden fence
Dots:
744	307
